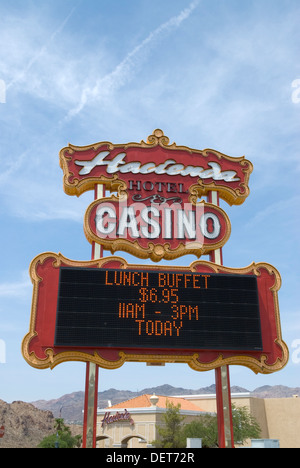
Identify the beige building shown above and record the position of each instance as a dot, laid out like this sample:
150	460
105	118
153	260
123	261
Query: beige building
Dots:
278	418
133	423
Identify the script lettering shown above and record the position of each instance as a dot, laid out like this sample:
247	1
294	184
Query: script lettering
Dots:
169	167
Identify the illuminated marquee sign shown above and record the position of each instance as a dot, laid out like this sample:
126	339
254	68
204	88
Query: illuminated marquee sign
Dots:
155	166
109	312
156	212
159	230
146	309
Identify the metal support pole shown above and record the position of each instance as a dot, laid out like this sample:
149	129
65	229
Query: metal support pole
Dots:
92	372
224	412
90	406
223	393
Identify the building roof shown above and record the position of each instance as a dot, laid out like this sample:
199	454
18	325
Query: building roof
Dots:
143	401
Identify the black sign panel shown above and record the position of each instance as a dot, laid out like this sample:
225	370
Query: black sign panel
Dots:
157	310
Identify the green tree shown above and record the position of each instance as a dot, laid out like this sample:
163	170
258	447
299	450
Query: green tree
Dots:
62	438
245	425
206	428
170	434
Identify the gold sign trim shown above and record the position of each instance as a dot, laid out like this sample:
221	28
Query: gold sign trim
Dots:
51	359
154	251
77	187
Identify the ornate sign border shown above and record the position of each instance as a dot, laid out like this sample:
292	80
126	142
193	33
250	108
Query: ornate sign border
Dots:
158	251
75	184
273	358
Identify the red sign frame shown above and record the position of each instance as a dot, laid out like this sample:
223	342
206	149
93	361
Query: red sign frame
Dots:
38	345
155	165
160	183
160	246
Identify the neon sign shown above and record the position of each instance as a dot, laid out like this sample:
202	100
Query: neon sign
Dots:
156	231
155	211
156	164
206	315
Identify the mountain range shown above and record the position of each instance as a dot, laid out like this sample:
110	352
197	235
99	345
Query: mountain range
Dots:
70	406
26	424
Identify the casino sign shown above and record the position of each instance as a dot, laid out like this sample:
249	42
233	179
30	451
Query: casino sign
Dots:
156	230
155	209
109	312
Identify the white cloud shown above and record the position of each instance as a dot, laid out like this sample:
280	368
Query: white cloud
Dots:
53	75
17	289
222	96
41	60
210	74
277	212
123	72
23	74
291	325
36	61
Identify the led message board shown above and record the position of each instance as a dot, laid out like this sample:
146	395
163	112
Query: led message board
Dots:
205	315
153	309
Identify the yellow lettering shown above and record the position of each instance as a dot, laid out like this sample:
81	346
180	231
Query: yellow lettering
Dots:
121	310
175	309
127	278
133	278
140	325
177	327
178	278
159	329
168	328
187	278
161	280
206	276
149	327
193	310
130	309
144	279
183	311
106	279
138	309
195	279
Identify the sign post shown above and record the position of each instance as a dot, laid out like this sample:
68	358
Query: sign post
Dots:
90	406
223	392
224	410
92	371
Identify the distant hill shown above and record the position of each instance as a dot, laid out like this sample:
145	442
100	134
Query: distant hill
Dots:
275	391
70	406
25	425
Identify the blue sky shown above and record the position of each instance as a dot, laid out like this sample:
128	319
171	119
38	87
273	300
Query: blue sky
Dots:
220	74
